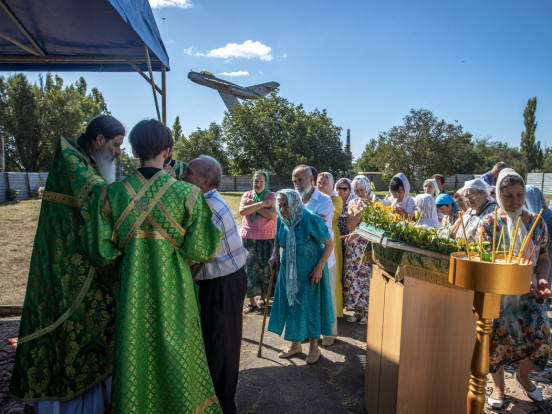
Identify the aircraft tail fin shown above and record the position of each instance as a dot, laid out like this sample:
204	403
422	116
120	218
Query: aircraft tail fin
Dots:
229	100
263	88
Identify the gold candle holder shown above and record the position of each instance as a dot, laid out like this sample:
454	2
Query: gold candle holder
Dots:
489	281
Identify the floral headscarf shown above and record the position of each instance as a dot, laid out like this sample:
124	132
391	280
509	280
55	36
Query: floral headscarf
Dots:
365	182
434	184
258	197
295	212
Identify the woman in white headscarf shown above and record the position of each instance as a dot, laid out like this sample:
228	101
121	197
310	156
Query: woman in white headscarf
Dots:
522	331
356	276
399	188
425	206
476	196
325	184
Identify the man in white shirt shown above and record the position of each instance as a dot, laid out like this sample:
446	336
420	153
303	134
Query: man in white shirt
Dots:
222	286
321	205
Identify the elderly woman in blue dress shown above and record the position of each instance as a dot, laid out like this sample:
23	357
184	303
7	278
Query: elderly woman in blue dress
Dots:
302	300
522	331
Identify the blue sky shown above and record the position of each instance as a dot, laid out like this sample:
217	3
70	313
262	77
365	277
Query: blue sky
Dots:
367	62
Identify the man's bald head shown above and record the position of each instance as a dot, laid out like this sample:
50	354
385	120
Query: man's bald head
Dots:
204	172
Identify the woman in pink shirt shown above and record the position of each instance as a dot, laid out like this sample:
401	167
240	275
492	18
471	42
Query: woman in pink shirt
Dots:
257	233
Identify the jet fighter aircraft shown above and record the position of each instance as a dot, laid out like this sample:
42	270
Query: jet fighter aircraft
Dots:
228	91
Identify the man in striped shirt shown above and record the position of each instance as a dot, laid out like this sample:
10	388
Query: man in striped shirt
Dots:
222	286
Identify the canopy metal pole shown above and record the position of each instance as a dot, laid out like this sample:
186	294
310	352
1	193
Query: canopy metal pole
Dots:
152	83
22	46
164	93
20	27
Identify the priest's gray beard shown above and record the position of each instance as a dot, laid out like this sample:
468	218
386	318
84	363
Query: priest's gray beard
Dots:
105	163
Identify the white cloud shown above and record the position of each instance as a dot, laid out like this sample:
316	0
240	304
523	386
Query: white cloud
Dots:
284	55
189	51
248	49
238	73
184	4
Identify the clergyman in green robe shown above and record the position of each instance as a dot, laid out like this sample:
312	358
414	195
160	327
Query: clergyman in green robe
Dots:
65	346
157	224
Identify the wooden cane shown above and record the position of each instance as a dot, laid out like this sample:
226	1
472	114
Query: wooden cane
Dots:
267	301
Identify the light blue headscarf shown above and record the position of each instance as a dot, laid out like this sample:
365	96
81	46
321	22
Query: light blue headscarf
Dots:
434	184
295	211
534	198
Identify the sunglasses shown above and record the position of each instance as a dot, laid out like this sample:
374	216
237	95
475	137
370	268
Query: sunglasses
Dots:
343	188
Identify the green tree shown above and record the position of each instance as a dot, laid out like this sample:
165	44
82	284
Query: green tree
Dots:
126	163
271	133
530	149
367	160
33	117
177	130
423	146
203	141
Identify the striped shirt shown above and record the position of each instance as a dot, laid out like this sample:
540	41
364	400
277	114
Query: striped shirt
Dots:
231	254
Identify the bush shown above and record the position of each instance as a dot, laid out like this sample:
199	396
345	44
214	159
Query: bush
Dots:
11	194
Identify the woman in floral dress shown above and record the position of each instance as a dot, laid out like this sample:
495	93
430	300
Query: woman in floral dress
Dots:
522	331
356	276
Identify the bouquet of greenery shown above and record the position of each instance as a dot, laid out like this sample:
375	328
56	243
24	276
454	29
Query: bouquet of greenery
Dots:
382	217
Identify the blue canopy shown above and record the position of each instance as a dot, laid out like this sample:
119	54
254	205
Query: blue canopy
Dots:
79	36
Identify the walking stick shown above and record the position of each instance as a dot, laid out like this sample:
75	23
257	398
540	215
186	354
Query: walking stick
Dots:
266	308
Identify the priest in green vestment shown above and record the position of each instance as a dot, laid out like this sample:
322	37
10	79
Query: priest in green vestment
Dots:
157	224
65	346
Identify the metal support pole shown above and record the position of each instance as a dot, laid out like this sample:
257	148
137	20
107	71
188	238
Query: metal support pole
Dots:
153	84
164	93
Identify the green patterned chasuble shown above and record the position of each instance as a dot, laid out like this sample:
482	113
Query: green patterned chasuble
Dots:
65	342
158	224
179	167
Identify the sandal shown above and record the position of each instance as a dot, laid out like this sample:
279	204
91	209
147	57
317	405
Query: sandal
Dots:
248	308
261	304
354	318
364	320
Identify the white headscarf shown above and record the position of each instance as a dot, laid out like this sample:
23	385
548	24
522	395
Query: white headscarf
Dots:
329	176
407	203
426	203
513	216
352	194
476	184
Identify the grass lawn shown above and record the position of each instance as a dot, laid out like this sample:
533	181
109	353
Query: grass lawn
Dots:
17	229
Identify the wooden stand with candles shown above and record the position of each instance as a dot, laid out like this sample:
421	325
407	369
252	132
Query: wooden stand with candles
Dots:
489	281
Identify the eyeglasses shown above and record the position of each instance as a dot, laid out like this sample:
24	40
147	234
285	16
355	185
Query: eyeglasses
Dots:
343	188
470	196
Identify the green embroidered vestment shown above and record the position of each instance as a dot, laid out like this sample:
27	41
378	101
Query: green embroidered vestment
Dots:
158	224
65	342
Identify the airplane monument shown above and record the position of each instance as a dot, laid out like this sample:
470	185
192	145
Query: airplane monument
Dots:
230	92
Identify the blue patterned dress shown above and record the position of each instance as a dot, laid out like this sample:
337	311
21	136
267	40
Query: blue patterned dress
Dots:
312	314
